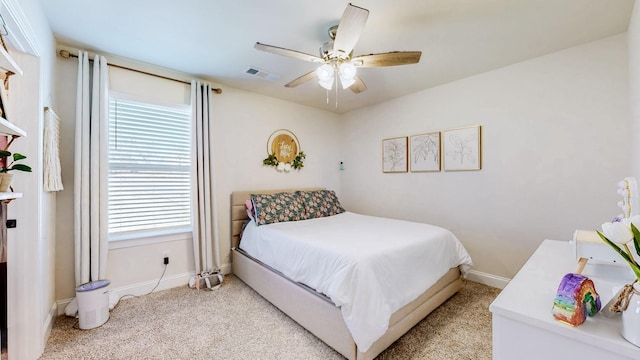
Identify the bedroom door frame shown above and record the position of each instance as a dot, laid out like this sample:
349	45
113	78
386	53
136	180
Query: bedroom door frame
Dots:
29	254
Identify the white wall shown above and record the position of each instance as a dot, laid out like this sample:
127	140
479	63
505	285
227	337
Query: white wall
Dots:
243	122
65	108
554	145
633	42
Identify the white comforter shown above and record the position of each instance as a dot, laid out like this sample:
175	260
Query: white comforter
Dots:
368	266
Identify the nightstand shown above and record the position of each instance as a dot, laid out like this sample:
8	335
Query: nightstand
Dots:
524	328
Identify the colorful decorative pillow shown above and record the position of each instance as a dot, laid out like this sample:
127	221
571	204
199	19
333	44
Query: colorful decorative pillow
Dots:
251	212
278	207
320	203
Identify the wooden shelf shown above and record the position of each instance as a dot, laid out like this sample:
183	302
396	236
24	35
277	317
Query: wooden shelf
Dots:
7	62
9	195
9	128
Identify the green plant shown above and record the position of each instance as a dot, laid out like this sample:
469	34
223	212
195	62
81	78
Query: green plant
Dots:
297	163
621	232
9	166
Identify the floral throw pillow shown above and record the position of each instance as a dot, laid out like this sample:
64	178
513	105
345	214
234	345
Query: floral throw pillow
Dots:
278	207
320	203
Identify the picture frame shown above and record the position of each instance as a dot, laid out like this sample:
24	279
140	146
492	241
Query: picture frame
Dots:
284	145
394	155
462	148
425	152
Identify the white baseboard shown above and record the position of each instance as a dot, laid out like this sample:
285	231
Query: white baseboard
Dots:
48	323
487	279
143	288
225	268
139	289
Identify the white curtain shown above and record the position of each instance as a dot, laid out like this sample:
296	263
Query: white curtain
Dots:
90	171
205	226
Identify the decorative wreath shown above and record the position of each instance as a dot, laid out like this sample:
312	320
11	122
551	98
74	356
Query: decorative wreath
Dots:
283	151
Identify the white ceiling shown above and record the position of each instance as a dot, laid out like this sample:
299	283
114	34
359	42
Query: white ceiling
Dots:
214	39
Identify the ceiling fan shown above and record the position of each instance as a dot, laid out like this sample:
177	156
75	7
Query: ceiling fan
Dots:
336	55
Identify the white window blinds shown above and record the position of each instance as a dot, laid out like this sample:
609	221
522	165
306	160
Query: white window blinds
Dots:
149	167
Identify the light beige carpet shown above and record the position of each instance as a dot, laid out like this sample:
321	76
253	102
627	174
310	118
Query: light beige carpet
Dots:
234	322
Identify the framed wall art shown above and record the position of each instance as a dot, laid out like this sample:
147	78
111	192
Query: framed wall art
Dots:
284	145
425	152
461	149
394	155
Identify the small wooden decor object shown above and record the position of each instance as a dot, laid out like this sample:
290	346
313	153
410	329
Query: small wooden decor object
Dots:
284	145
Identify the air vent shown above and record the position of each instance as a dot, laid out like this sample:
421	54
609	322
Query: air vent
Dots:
261	74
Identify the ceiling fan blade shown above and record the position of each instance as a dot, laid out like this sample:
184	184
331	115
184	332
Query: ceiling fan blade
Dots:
349	30
387	59
358	86
301	80
286	52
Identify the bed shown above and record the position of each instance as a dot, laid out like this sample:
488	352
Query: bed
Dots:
314	310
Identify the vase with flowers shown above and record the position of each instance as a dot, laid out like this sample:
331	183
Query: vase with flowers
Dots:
621	234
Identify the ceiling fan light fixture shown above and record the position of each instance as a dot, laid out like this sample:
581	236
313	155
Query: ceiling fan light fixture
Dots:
325	72
347	72
336	55
325	76
326	84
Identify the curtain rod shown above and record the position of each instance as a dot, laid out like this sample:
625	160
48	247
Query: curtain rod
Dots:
67	54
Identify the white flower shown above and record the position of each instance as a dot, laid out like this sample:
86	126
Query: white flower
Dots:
287	167
635	220
618	232
280	167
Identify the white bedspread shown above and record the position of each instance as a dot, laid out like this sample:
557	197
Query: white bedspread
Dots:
368	266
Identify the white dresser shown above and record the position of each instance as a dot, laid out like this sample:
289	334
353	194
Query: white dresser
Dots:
524	327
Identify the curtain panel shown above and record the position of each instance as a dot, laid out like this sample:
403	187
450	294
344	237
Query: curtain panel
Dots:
205	227
91	241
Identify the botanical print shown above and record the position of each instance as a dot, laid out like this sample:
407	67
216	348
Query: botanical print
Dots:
462	149
280	207
425	152
394	155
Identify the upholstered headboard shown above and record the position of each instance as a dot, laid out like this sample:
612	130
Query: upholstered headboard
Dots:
239	212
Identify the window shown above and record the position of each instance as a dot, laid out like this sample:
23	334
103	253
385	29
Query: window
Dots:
149	169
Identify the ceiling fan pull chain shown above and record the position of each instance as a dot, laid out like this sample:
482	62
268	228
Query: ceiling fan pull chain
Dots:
336	77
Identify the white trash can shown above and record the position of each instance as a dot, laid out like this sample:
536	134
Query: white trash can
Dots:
93	303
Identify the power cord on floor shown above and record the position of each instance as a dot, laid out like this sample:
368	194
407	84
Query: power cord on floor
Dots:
77	323
152	290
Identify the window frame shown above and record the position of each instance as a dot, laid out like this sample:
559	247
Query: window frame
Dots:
151	236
